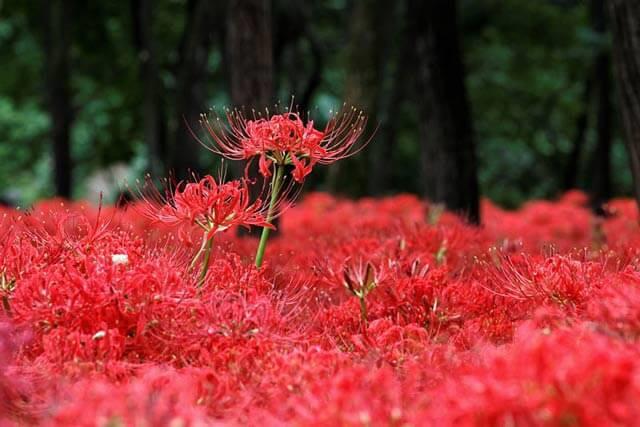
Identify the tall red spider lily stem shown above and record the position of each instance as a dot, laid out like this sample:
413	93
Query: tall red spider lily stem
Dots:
205	252
276	186
205	261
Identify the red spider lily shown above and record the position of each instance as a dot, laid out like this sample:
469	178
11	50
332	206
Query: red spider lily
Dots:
285	139
118	335
212	206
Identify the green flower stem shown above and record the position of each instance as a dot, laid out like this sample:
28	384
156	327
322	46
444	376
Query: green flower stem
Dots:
205	261
276	183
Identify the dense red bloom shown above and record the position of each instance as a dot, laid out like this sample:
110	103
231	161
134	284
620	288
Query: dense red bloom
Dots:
211	205
101	324
286	139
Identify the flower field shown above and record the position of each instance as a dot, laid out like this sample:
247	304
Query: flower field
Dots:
369	312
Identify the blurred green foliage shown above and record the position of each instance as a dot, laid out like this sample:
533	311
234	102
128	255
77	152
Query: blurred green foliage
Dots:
528	64
526	61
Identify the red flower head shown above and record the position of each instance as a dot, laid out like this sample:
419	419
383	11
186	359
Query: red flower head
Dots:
285	139
211	205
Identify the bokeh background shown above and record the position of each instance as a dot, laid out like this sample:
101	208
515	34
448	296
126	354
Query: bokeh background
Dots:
93	93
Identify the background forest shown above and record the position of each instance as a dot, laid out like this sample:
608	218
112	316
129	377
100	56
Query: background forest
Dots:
92	93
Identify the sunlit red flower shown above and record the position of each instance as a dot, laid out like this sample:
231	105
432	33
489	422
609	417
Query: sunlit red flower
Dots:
211	205
286	139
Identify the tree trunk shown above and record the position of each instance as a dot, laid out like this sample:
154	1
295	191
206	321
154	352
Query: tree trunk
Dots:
249	46
250	57
601	184
446	132
625	25
362	87
292	24
365	49
153	113
56	46
391	102
190	95
250	54
370	85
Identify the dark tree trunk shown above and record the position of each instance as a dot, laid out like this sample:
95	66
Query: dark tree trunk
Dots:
153	113
250	53
371	56
391	101
291	25
58	97
601	184
625	26
250	56
362	87
190	95
365	51
446	132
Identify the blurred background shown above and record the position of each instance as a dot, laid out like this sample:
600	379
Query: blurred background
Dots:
509	99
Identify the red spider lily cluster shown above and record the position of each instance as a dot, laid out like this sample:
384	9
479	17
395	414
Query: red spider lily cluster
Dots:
212	206
284	139
279	141
533	319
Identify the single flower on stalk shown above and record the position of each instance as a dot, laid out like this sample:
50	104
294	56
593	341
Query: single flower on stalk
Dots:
213	206
285	139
